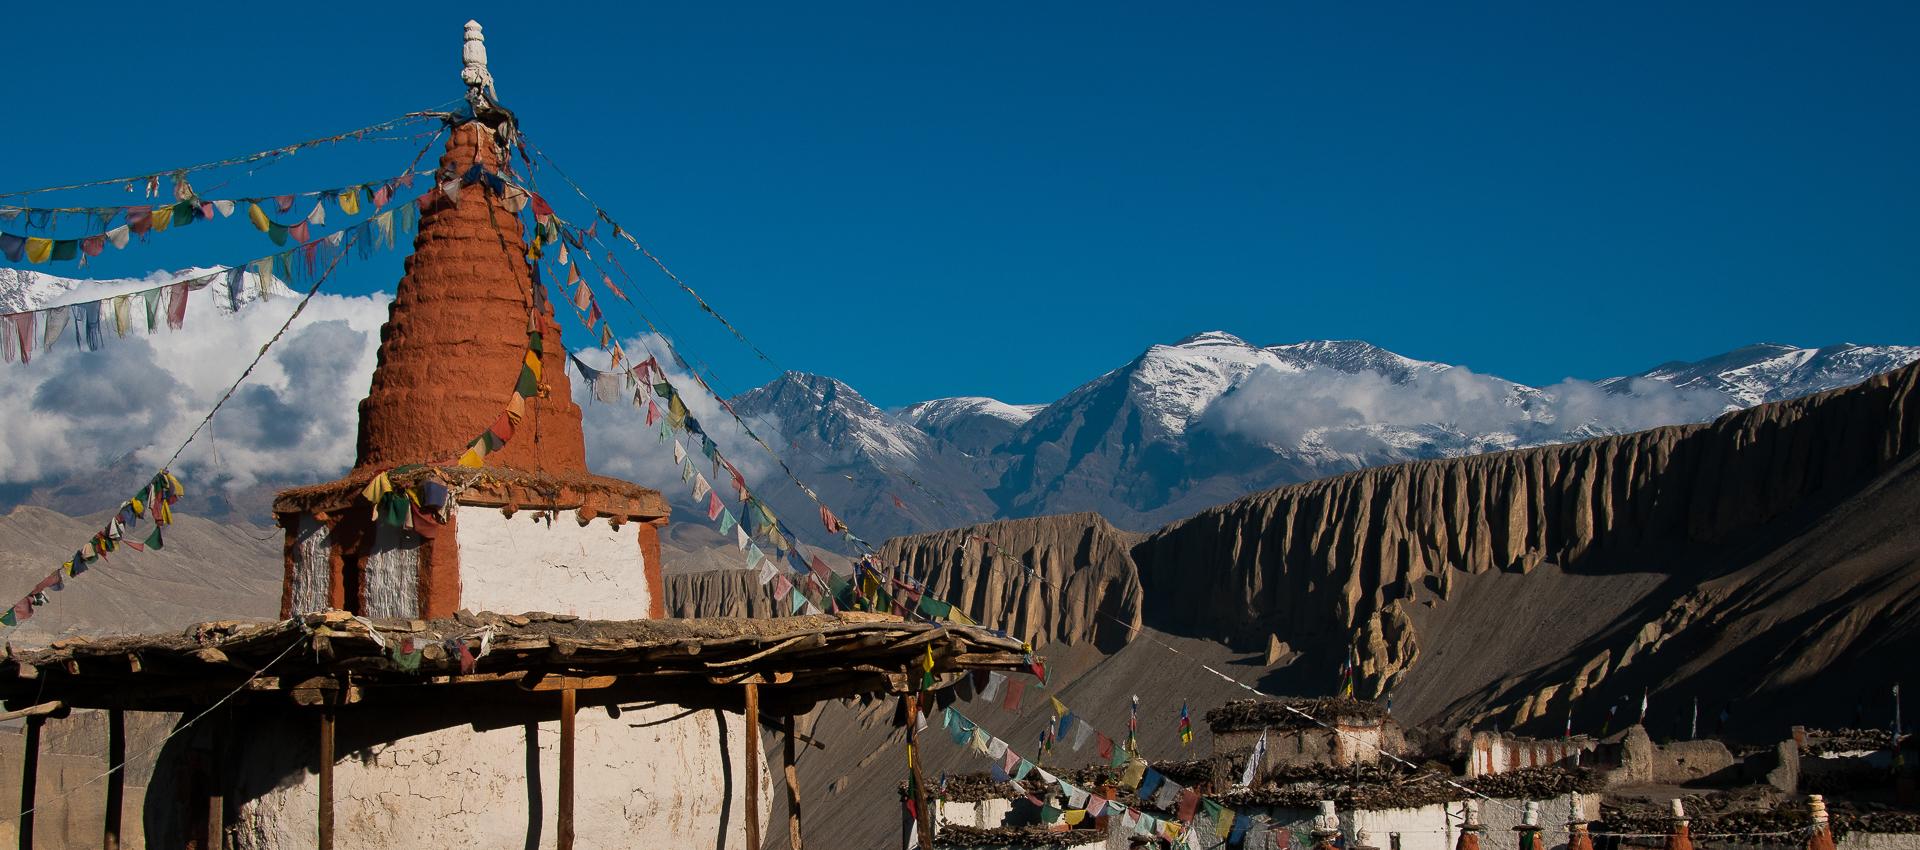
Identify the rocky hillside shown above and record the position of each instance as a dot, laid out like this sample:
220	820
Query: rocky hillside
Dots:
1360	553
1050	580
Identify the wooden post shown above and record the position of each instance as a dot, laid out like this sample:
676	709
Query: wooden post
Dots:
326	778
919	779
753	766
793	786
567	704
117	776
29	773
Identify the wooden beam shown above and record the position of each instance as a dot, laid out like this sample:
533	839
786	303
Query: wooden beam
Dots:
29	773
326	778
567	707
792	770
556	682
752	679
116	777
40	710
753	766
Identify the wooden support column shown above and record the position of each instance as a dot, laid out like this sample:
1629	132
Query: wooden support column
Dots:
753	766
326	778
913	762
116	776
29	773
567	708
792	770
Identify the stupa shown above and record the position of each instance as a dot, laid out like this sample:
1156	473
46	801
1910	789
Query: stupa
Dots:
529	529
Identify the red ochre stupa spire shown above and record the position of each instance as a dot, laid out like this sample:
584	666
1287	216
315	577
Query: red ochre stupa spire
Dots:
450	359
452	346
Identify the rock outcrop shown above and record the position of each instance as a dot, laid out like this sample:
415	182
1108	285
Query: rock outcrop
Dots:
1063	579
1331	557
719	593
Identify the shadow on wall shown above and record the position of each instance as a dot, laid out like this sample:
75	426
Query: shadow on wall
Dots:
463	772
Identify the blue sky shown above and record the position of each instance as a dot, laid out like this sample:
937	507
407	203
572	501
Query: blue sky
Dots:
1009	199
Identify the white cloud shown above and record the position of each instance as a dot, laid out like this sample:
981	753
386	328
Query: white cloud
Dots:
1450	412
621	445
78	413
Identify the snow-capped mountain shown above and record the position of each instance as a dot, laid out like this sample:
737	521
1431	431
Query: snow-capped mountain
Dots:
973	424
861	459
1354	356
1756	374
1212	417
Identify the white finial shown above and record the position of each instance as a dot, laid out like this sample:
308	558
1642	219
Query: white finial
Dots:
1818	805
1679	809
1530	816
1472	807
473	53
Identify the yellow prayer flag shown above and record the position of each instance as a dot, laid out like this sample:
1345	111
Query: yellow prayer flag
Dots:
162	216
533	363
38	249
1223	822
1074	816
258	216
1059	708
473	459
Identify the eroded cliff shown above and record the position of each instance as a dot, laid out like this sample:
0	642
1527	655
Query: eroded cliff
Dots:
1060	579
1360	558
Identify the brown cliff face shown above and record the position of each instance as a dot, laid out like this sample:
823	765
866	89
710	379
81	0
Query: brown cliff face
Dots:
452	346
719	593
1086	580
1343	559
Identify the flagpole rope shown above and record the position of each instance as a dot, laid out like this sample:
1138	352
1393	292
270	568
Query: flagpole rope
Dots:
69	791
918	585
346	241
862	546
435	112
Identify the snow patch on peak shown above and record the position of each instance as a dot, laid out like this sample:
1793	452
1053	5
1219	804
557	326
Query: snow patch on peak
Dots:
24	289
1354	356
934	413
1207	338
1174	384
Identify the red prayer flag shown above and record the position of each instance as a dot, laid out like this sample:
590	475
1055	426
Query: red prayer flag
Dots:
1106	744
1015	688
713	505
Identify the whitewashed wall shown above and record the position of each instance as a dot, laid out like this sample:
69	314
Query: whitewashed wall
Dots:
653	777
312	572
523	563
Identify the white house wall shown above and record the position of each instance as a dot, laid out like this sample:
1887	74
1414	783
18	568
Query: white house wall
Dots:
524	563
662	776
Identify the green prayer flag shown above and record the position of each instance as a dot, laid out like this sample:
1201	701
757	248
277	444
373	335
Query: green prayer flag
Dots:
153	542
528	386
8	619
934	609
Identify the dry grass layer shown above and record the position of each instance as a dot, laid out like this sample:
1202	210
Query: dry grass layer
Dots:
1724	813
1247	715
826	655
